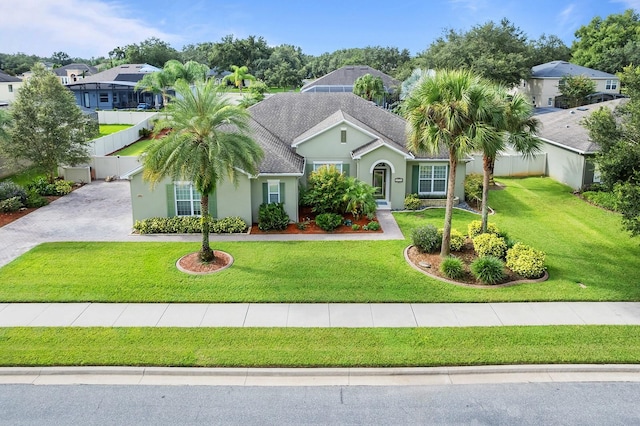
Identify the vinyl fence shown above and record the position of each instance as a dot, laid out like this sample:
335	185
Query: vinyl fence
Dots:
512	164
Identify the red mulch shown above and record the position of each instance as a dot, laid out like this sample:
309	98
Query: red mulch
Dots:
192	263
7	218
307	217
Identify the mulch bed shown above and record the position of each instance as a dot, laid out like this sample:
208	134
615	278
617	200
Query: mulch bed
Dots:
307	217
7	218
191	263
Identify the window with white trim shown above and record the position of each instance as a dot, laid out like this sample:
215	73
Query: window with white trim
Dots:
11	88
187	199
611	85
343	135
319	164
432	180
273	191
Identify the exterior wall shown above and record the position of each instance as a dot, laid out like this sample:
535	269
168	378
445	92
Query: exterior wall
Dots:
290	195
564	166
235	200
119	98
397	170
9	95
461	172
147	202
540	90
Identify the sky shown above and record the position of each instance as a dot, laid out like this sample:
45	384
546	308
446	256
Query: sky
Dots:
91	28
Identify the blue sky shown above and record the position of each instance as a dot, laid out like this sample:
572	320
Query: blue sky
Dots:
91	28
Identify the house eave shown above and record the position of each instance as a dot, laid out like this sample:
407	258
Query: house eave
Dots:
568	148
406	155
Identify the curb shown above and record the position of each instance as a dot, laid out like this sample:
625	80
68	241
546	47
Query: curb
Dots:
397	376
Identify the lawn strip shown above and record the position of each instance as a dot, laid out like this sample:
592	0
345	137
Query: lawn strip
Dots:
319	347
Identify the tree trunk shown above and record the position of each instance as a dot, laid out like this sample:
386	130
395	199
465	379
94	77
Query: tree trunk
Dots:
448	215
206	254
486	163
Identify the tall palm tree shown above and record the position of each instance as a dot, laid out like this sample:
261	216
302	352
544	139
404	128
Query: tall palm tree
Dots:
238	76
158	83
209	142
514	126
190	71
448	111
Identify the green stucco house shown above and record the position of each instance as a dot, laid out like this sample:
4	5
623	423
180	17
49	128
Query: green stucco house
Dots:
300	132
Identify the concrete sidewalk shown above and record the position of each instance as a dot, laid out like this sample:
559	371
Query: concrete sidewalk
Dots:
317	314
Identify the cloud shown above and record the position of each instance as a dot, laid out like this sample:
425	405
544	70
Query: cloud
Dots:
629	4
81	28
472	5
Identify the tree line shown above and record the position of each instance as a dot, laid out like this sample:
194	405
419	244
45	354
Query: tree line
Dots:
500	52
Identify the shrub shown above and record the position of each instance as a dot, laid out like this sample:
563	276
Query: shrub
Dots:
372	226
526	261
473	188
489	269
325	190
12	204
457	239
35	200
359	200
412	202
475	228
43	187
144	132
355	227
452	267
62	187
489	245
302	225
272	217
426	238
229	225
169	225
328	221
606	200
9	189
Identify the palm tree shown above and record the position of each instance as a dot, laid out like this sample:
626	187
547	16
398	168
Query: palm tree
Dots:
209	142
448	111
369	87
239	75
190	71
514	126
158	82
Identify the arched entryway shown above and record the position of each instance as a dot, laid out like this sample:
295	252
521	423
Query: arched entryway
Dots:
381	179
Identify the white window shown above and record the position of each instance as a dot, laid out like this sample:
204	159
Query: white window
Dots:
432	180
11	88
273	191
187	199
611	85
550	102
319	164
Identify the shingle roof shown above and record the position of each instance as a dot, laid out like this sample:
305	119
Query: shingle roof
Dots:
62	71
125	72
346	76
563	128
558	69
6	78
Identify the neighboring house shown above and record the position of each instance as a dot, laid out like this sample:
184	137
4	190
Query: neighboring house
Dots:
300	132
542	86
570	151
9	86
342	80
217	75
114	88
73	72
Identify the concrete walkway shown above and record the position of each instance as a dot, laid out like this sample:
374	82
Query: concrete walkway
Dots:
317	314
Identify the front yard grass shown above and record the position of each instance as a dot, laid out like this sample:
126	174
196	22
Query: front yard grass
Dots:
584	245
319	347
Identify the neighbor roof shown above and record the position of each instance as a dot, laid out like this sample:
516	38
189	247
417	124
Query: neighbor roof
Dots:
564	128
346	76
6	78
559	69
125	72
88	70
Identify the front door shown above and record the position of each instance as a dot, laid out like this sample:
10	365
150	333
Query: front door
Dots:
380	182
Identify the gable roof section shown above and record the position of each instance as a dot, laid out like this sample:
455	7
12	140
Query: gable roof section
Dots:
564	128
6	78
125	73
558	69
346	76
278	157
62	71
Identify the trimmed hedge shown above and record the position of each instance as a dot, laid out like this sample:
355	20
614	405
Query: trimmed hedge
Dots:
272	216
329	221
412	202
526	261
426	238
490	245
457	239
188	225
475	228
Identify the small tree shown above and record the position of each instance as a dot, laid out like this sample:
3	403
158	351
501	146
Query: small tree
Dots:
369	87
238	76
575	89
47	129
359	198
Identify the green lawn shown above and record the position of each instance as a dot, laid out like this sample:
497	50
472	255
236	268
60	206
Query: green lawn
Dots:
319	347
107	129
584	244
135	149
24	177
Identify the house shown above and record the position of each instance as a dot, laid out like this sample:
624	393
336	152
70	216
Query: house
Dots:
569	150
73	72
542	86
9	86
299	133
114	88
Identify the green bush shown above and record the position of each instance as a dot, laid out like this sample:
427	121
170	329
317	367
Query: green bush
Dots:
457	239
328	221
606	200
35	200
62	187
473	188
372	226
12	204
452	267
489	269
272	216
475	228
9	190
358	198
412	202
325	190
489	245
229	225
355	227
526	261
43	187
426	238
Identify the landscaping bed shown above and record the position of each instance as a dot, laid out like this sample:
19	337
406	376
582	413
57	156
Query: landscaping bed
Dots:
308	225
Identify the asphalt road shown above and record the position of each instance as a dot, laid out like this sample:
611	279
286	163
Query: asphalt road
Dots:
495	404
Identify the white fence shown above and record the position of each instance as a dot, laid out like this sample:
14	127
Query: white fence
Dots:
115	165
124	117
115	141
512	164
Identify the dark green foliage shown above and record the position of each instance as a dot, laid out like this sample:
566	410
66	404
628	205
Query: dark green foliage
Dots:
329	221
355	227
452	267
372	226
575	89
359	199
9	189
412	202
35	200
272	216
188	225
325	190
426	238
42	186
144	132
489	269
473	188
11	204
629	205
605	199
